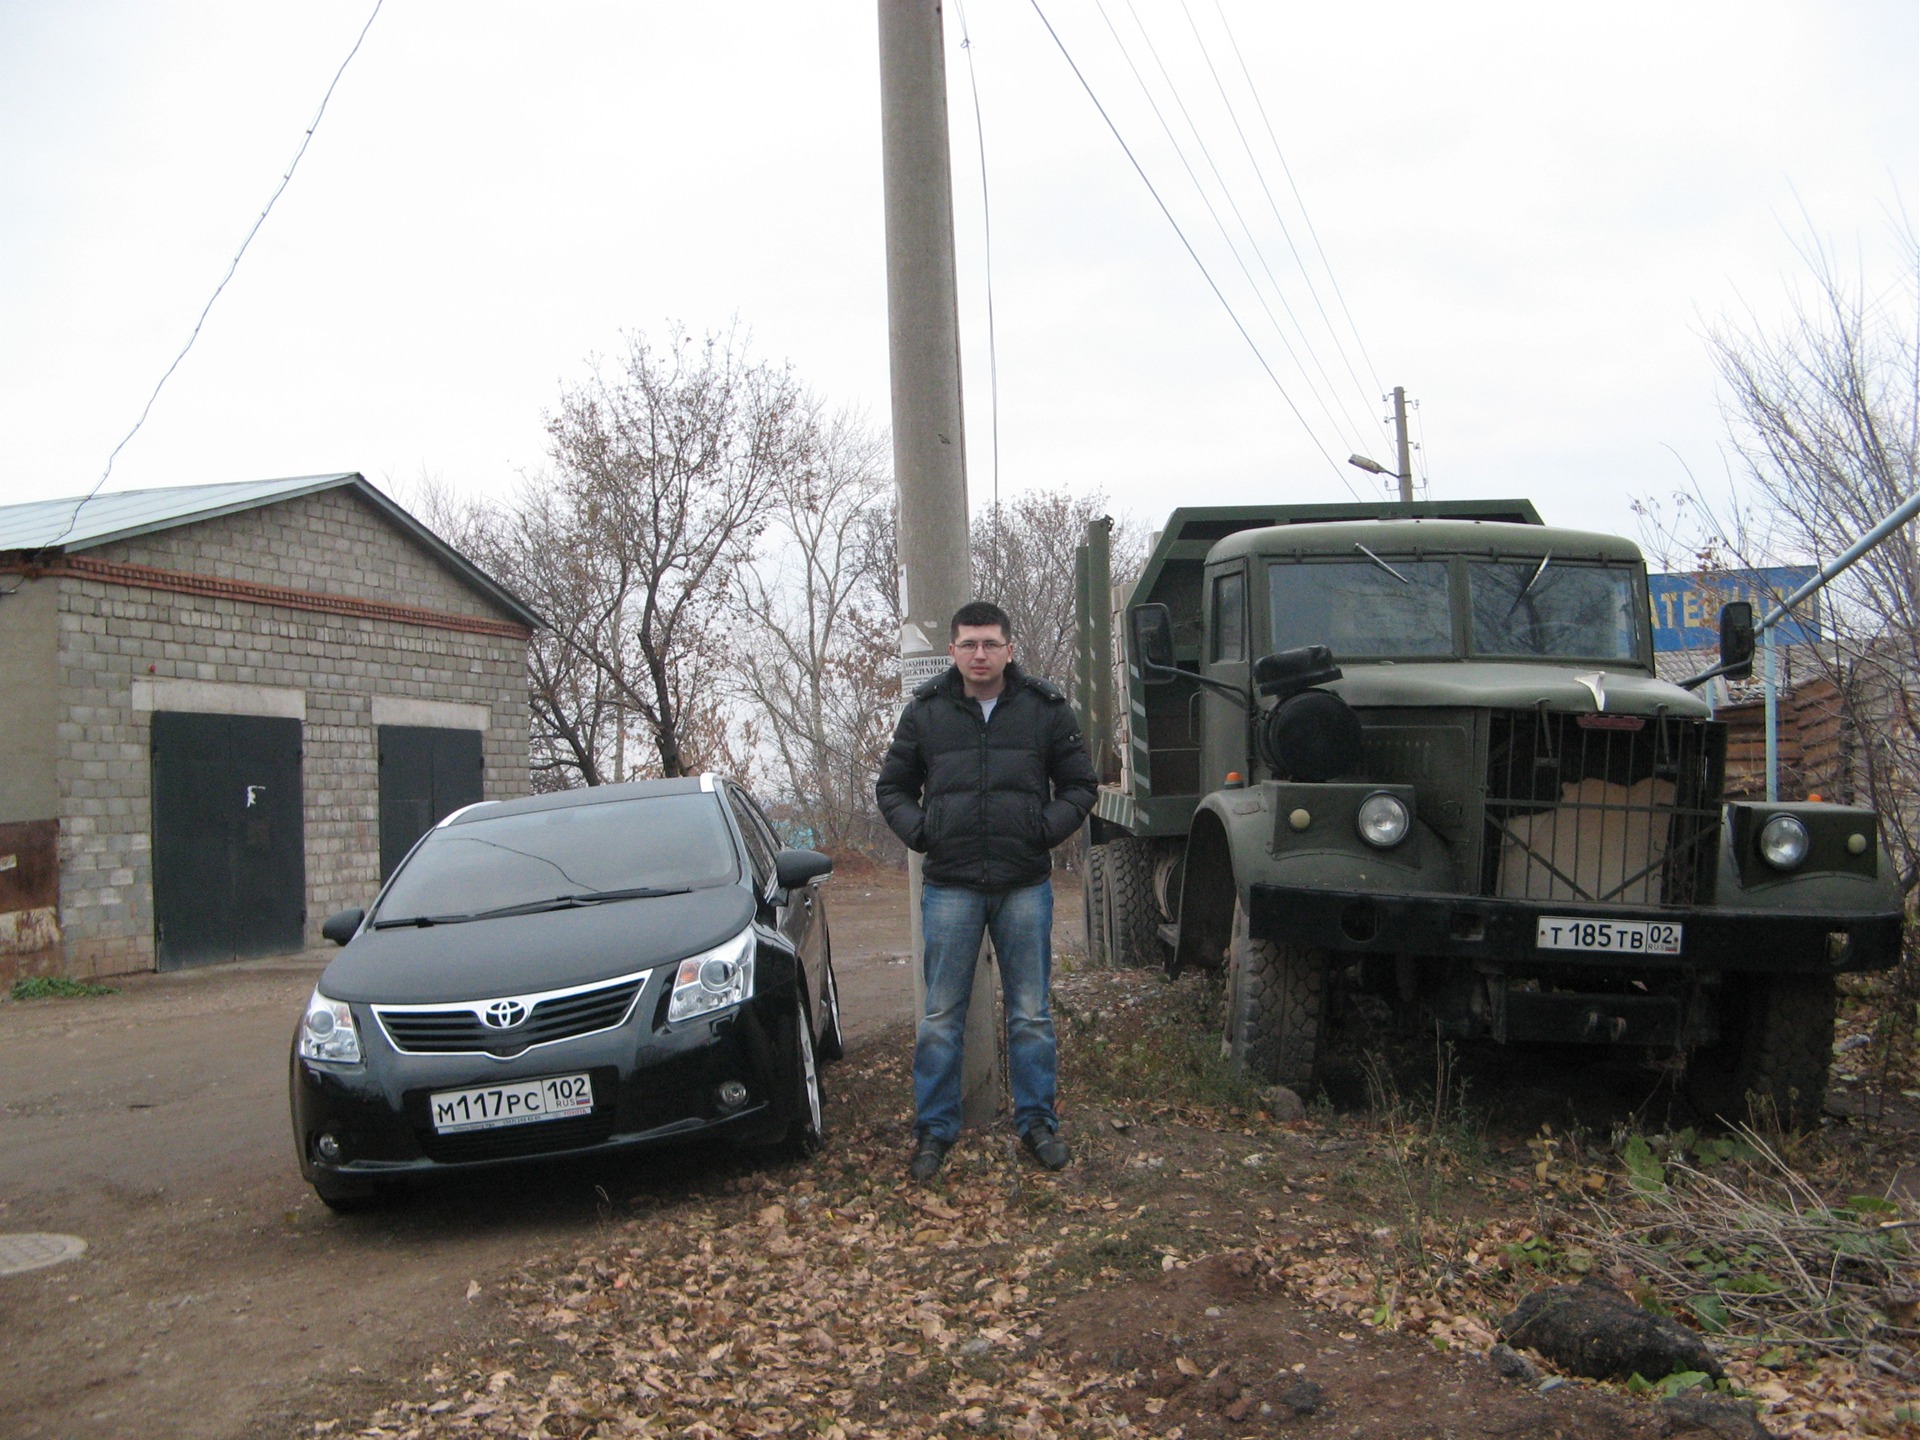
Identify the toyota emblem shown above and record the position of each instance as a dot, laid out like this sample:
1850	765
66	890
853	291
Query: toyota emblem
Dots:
504	1014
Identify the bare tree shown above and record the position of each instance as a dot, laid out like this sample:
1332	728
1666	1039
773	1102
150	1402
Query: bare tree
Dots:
666	472
1825	419
817	669
1023	561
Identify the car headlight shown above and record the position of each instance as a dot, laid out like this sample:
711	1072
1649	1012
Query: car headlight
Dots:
1783	842
1383	820
714	979
327	1032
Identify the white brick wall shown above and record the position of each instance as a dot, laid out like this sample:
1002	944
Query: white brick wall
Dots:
112	635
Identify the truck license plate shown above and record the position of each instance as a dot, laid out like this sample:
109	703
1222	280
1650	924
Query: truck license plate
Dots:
523	1102
1627	937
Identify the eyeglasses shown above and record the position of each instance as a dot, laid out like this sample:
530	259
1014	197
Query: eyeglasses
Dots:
980	647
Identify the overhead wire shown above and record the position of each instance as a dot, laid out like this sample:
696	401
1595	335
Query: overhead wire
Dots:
1246	145
1226	191
232	266
1192	253
986	226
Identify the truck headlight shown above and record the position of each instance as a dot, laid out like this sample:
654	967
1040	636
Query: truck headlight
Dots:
714	979
327	1032
1383	820
1783	842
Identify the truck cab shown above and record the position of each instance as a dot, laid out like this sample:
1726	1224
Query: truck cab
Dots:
1423	751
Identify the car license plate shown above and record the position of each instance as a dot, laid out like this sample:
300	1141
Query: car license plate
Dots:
1626	937
521	1102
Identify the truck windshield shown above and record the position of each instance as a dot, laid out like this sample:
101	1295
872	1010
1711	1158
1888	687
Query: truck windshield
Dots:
1552	607
1386	607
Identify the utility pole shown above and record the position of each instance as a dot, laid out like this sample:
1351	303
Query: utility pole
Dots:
1406	451
929	442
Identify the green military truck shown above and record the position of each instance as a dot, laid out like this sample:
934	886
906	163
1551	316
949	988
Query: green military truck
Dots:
1421	751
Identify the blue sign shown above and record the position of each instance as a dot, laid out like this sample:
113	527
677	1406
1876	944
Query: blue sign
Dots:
1686	608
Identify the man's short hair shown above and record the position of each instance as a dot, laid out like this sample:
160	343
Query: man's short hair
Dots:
980	612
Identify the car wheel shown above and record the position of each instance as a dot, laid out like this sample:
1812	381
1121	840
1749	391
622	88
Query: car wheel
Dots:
1276	1008
832	1044
804	1101
1776	1038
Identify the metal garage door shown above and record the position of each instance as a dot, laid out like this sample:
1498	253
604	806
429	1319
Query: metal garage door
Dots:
229	852
426	773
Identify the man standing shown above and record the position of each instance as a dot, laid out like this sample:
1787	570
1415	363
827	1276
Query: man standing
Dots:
986	774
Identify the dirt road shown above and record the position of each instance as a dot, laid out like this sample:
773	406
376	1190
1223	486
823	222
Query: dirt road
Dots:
215	1290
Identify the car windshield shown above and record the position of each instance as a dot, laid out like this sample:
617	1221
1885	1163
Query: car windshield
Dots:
1364	606
494	863
1552	607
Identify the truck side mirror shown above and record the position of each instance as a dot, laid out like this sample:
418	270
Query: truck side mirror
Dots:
1152	634
1736	639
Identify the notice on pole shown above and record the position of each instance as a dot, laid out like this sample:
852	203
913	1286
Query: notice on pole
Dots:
1686	608
916	670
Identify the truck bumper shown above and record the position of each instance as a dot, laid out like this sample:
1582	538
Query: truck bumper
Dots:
1505	932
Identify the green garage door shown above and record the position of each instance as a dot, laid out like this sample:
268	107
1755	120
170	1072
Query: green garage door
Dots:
426	774
229	850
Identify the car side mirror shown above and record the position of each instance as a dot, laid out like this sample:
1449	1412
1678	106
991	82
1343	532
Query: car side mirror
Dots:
341	925
1736	639
1152	634
794	868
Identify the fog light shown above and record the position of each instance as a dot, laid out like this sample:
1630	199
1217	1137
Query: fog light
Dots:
1783	842
1856	844
732	1095
328	1148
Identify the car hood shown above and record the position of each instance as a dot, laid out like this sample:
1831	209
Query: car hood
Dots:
1499	686
521	954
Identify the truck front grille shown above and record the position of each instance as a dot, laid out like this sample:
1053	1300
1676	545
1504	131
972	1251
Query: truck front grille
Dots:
1602	809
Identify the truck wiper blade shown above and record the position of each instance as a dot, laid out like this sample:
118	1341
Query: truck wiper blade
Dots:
1381	563
1533	580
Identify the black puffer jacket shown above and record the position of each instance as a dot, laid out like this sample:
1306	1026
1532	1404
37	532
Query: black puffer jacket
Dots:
985	800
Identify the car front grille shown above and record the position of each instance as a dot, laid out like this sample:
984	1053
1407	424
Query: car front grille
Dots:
1602	809
547	1017
512	1141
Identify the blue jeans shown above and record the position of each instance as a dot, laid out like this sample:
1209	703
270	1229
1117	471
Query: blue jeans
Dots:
952	919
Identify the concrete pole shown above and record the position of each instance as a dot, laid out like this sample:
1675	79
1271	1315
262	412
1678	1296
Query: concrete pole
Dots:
1405	472
929	439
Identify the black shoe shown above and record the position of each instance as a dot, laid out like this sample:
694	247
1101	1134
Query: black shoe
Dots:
928	1156
1048	1148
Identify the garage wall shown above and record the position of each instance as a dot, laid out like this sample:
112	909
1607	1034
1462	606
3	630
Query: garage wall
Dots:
125	651
29	700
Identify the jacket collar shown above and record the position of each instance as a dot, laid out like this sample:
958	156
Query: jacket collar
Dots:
954	686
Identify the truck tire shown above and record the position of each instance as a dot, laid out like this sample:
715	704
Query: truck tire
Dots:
1134	915
1093	892
1276	1008
1776	1040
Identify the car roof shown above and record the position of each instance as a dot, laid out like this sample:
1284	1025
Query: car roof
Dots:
588	795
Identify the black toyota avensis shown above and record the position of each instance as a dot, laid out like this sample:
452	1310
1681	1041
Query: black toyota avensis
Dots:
586	971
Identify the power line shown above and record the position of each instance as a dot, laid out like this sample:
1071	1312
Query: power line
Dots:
1227	193
986	225
1286	170
1234	115
232	266
1193	254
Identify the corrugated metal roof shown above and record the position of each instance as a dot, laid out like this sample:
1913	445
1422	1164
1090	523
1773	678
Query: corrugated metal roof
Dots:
43	525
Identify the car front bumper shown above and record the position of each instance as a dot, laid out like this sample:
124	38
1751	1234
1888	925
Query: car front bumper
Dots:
651	1085
1505	932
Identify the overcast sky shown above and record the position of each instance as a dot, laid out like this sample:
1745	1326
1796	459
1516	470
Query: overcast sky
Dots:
1531	212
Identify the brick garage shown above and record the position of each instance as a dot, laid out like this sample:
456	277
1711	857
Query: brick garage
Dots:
231	698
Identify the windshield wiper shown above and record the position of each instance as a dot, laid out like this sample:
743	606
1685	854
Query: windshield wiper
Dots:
1533	580
1381	563
535	907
